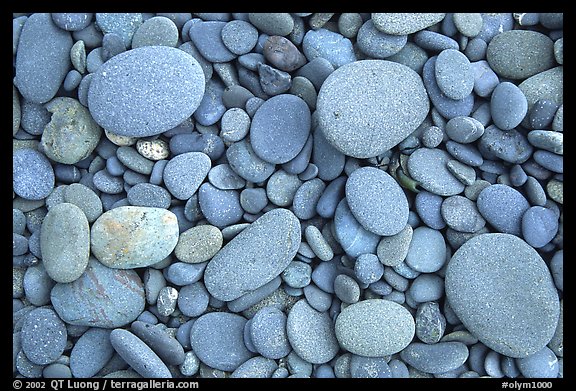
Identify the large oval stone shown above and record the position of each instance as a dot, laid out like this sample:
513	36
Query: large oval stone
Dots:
405	23
146	91
367	107
503	293
101	297
255	256
65	242
375	328
128	237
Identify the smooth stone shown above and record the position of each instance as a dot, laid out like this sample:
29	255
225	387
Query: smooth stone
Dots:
436	358
122	24
464	129
198	244
165	346
251	302
454	74
495	23
428	166
56	370
138	355
211	108
557	269
485	79
405	23
130	237
272	23
479	291
392	250
239	36
369	367
368	268
428	206
130	158
300	163
149	195
508	106
542	113
43	336
331	196
180	273
411	55
184	173
376	44
306	198
207	66
349	24
32	174
112	45
208	143
503	207
461	214
388	215
126	78
273	81
91	352
156	31
432	137
464	173
430	322
316	70
95	59
273	238
268	333
519	54
346	289
317	298
447	107
434	41
72	80
329	45
235	124
311	333
72	21
101	297
549	161
39	81
90	35
427	250
465	153
280	128
374	328
476	49
539	226
217	340
329	160
255	368
220	207
244	161
350	234
282	187
547	140
343	102
544	85
65	242
426	287
542	364
283	54
469	24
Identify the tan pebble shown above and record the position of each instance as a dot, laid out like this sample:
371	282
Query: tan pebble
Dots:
121	141
556	190
153	150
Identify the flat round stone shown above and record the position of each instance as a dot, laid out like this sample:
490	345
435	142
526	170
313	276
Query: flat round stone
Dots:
377	44
514	319
255	256
217	338
428	166
65	242
244	161
503	207
427	251
129	237
353	238
392	250
508	106
435	358
311	333
280	128
377	201
32	174
91	352
239	36
539	226
461	214
183	174
101	297
405	23
454	74
374	328
43	336
220	207
198	244
146	91
542	364
360	99
268	333
156	31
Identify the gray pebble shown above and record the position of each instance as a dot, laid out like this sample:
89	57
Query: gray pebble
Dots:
349	24
43	336
268	333
428	206
255	367
436	358
510	146
392	250
123	24
502	207
405	23
247	164
465	153
549	161
91	352
426	287
198	244
112	45
376	44
190	365
542	364
153	282
534	191
72	21
56	370
236	96
138	355
165	346
539	226
557	268
72	80
329	45
411	55
211	107
329	160
272	23
180	273
301	162
508	106
369	367
469	24
433	41
353	238
464	173
548	140
316	70
220	207
297	274
167	301
542	113
146	194
461	214
454	74
432	137
252	301
430	323
239	36
282	187
331	196
317	298
184	173
464	129
235	124
207	67
428	166
156	31
427	251
33	176
130	158
480	308
306	198
346	289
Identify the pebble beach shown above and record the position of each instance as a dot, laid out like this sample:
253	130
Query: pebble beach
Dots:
287	195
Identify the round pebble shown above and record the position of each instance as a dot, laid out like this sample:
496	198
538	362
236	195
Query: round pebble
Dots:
220	207
268	333
244	161
435	358
272	23
235	124
469	24
374	328
461	214
353	238
454	74
149	195
508	106
539	226
255	367
184	173
72	21
156	31
32	175
405	23
427	250
91	352
239	36
479	291
126	78
351	108
153	149
283	54
43	336
392	250
368	268
503	207
542	364
376	44
428	166
369	367
464	129
430	322
198	244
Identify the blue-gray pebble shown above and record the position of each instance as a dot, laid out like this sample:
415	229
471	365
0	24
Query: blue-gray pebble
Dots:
43	336
220	207
91	352
454	74
138	355
508	106
184	173
353	238
503	207
436	358
32	174
268	333
539	226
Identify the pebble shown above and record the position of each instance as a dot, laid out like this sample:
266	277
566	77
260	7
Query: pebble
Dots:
65	242
469	24
539	226
510	146
190	365
235	124
268	333
123	24
244	161
447	107
297	274
542	113
392	250
272	23
273	238
91	352
220	207
503	207
426	287
480	307
559	51
433	41
464	173
133	236
273	81
465	153
56	370
153	149
349	24
427	250
329	45
376	44
283	54
138	355
126	78
149	195
464	129
546	85
39	81
316	70
156	31
557	269
217	340
353	238
32	174
239	36
428	166
485	79
432	137
306	198
549	161
547	140
317	298
329	160
430	322
344	92
389	214
282	187
311	333
180	273
436	358
207	37
165	346
255	367
37	284
519	54
461	214
211	107
555	190
198	244
405	23
331	196
72	21
43	336
224	178
280	128
184	174
368	268
508	106
374	328
454	74
369	367
542	364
